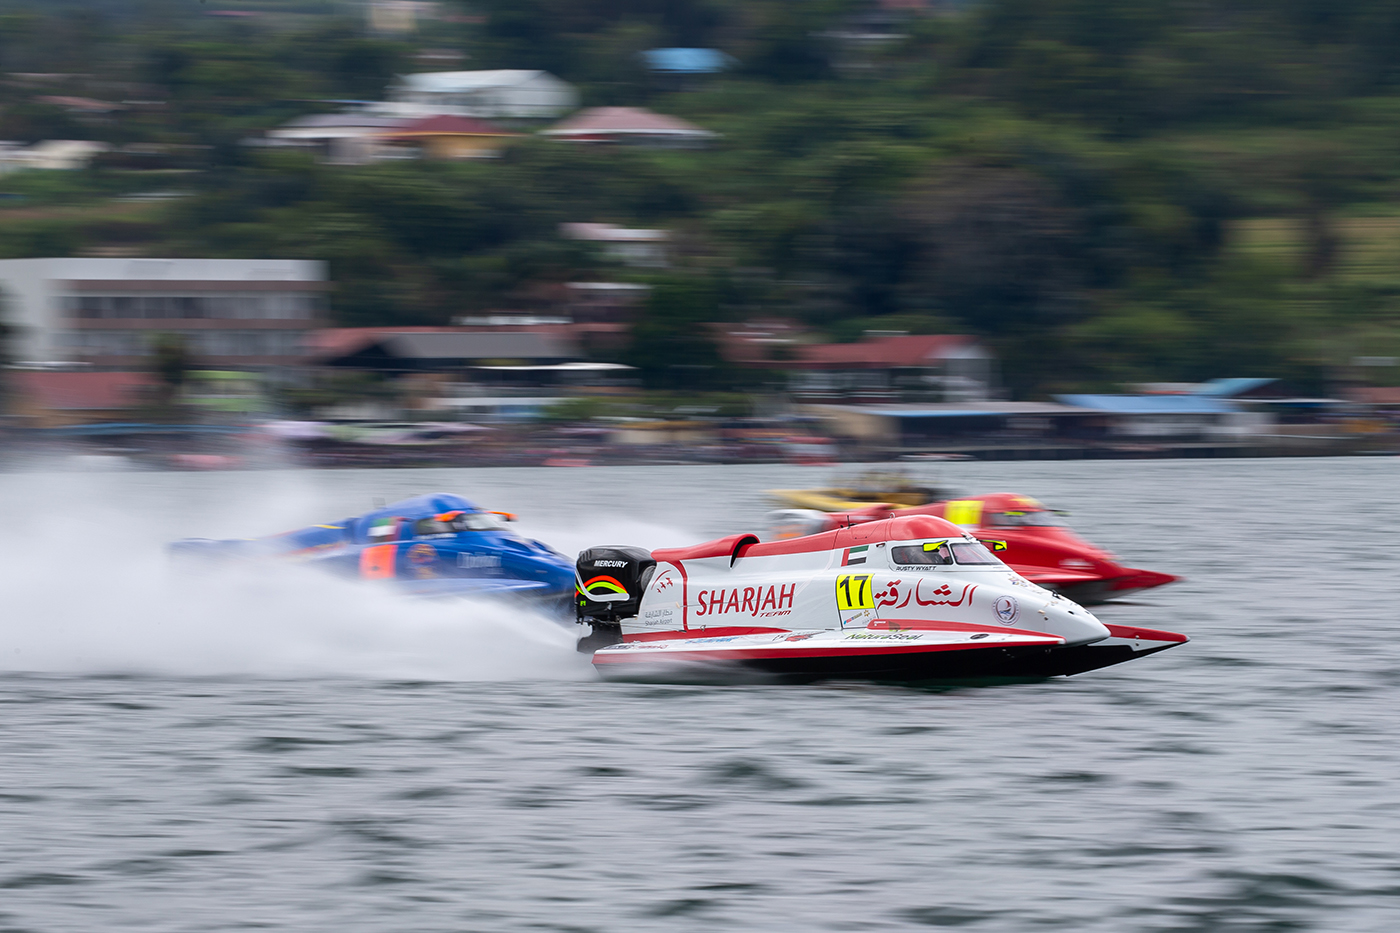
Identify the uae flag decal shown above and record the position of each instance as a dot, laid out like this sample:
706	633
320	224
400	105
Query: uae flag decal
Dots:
854	555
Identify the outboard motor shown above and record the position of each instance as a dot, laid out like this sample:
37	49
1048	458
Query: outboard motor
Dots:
609	583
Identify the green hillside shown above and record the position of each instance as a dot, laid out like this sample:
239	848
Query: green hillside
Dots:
1107	192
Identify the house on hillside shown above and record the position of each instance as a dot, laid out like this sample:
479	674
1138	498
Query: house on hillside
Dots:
889	367
946	367
345	138
499	94
51	154
629	125
398	17
446	137
639	247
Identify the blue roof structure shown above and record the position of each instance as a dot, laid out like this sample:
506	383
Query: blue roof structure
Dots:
688	61
1150	404
1229	388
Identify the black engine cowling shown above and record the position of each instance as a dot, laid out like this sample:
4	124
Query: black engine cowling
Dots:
609	583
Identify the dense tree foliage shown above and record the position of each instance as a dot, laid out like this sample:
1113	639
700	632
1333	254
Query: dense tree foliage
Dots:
1105	191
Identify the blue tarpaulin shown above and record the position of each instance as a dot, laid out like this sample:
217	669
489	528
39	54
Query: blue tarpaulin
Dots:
688	61
1150	404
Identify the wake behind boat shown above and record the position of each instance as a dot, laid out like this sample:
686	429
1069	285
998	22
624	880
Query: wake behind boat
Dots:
913	598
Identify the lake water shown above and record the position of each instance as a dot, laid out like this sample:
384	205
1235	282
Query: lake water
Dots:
288	752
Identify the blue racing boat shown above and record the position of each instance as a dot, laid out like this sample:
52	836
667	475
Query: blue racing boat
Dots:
433	545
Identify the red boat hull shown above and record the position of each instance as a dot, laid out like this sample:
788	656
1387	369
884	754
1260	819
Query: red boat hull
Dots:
1052	556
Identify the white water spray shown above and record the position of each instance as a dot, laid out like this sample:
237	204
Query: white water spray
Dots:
88	588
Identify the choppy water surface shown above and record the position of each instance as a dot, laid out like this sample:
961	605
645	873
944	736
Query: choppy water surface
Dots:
284	752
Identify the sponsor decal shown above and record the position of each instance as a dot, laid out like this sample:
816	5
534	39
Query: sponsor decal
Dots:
603	584
422	559
658	618
888	636
855	555
663	582
1006	609
377	563
853	591
940	595
610	563
800	637
756	601
468	561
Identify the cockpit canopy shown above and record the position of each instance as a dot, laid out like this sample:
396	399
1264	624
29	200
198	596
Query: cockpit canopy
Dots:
944	553
452	522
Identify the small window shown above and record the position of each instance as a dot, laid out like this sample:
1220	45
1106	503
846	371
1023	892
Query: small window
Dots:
933	553
972	553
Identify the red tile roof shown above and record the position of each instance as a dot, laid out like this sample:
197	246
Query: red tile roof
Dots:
81	391
623	121
1377	395
883	352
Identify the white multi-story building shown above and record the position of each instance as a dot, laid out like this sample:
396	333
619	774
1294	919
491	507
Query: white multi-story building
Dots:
240	313
506	93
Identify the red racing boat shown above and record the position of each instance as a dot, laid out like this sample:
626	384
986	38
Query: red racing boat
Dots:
1029	537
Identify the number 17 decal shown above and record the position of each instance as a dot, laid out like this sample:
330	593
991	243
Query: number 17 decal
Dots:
853	592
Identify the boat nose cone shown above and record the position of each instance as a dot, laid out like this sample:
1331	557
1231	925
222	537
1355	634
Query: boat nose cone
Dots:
1071	621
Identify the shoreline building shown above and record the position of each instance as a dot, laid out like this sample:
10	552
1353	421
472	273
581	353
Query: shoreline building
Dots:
105	313
501	94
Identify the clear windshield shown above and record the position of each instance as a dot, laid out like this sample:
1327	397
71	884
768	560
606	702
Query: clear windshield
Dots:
1023	519
467	521
476	521
932	553
972	553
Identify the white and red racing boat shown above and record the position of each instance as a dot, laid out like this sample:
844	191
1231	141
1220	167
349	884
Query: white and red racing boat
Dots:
914	598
